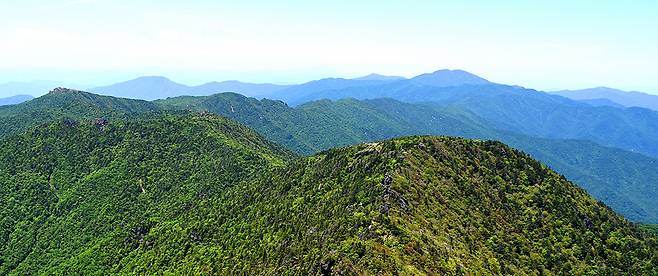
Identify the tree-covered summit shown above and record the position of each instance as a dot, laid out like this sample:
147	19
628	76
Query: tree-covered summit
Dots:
63	102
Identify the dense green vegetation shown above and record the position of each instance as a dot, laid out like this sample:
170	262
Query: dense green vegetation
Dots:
68	187
651	228
323	125
66	103
623	180
191	194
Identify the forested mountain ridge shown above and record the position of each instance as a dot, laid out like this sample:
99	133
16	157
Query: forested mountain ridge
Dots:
624	180
71	186
63	102
322	125
197	193
512	108
520	110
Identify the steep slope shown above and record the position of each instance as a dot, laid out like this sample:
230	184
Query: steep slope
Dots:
443	206
76	187
66	103
624	98
198	194
15	99
623	180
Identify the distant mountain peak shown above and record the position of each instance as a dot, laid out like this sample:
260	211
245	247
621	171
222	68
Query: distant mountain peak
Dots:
227	82
153	79
447	77
158	87
379	77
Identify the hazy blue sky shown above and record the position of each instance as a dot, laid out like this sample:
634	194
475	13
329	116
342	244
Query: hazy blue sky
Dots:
544	44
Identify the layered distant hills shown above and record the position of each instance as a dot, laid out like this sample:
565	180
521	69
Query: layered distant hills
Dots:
152	88
157	87
378	77
15	99
615	97
530	112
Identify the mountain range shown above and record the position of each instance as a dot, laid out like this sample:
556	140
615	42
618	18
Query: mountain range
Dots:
616	96
511	108
201	194
378	77
373	175
15	99
157	87
621	179
152	88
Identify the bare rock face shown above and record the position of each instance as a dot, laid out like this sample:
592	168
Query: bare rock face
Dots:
101	122
386	183
63	90
70	122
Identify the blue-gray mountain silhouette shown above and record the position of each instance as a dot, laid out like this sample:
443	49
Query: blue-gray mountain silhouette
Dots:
624	98
15	99
157	87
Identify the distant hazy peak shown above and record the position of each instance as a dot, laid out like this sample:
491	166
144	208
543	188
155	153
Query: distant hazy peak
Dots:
598	89
379	77
605	88
158	79
225	82
446	77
